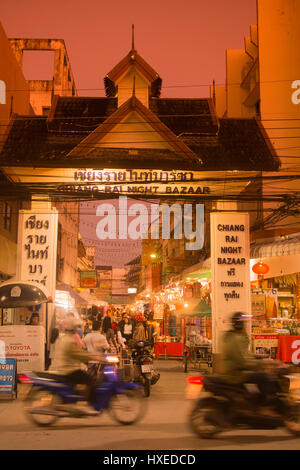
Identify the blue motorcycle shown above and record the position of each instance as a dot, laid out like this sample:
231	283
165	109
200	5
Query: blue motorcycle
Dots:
51	398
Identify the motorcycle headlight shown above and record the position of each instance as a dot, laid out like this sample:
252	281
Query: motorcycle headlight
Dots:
112	359
294	382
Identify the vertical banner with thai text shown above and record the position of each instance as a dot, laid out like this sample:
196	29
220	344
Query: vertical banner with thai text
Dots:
230	268
37	250
37	243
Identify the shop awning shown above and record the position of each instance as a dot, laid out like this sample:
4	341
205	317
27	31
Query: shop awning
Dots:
198	275
200	270
287	245
15	294
278	266
195	308
78	300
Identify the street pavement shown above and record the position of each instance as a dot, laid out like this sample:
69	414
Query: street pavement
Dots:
164	426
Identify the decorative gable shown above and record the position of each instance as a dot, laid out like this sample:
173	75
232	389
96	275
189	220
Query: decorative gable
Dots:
134	132
126	83
133	126
119	82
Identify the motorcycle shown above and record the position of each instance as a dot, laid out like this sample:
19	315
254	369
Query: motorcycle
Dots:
221	406
51	398
143	360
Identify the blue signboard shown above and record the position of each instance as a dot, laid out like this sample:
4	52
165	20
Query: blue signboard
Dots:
7	375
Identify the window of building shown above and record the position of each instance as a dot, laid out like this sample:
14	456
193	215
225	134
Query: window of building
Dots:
46	110
38	64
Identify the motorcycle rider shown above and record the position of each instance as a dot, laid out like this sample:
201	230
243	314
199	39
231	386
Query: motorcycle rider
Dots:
139	333
69	358
239	366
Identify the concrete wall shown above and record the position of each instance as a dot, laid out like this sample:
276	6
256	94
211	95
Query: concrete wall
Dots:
68	217
14	98
269	69
279	52
14	95
42	91
238	64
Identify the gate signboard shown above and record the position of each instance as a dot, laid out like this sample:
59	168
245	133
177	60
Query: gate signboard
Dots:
132	182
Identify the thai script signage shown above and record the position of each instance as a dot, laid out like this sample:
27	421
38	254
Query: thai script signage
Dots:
88	279
136	181
133	181
37	242
7	376
230	262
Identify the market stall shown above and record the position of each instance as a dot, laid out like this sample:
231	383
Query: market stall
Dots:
275	323
181	304
24	324
197	335
169	342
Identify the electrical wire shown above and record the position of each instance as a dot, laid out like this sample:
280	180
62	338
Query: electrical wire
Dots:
291	80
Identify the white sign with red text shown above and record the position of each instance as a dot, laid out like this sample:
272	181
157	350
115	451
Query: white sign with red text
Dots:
26	344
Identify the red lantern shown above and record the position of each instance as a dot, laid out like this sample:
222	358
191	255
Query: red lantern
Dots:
260	268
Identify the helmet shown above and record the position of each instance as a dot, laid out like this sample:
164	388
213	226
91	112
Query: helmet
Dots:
237	321
71	323
139	318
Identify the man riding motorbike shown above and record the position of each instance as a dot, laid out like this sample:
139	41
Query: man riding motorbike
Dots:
69	358
239	366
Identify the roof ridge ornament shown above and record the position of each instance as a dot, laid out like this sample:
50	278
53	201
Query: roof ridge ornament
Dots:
132	37
133	51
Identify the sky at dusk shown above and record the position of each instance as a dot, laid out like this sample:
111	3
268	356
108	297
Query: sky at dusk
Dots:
184	41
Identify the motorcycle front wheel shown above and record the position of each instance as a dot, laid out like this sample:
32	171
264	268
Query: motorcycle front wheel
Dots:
292	423
40	406
147	386
201	421
127	408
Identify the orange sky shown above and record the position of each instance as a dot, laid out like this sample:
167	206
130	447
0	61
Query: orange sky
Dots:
184	41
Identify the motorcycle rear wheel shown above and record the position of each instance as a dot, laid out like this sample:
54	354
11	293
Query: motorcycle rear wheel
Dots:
43	400
127	408
292	424
199	423
147	386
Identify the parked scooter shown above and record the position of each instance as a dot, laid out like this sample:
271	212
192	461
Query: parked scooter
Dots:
143	360
221	406
51	398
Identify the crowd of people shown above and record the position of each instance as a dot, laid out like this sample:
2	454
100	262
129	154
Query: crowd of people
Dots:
119	329
78	343
109	332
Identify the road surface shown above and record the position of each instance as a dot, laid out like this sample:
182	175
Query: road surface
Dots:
164	426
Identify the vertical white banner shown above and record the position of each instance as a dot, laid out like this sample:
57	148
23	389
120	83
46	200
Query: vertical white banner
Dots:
37	250
37	245
230	271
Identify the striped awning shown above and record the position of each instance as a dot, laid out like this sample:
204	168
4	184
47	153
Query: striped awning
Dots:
282	246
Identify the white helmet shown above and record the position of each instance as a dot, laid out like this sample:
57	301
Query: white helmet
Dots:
71	323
